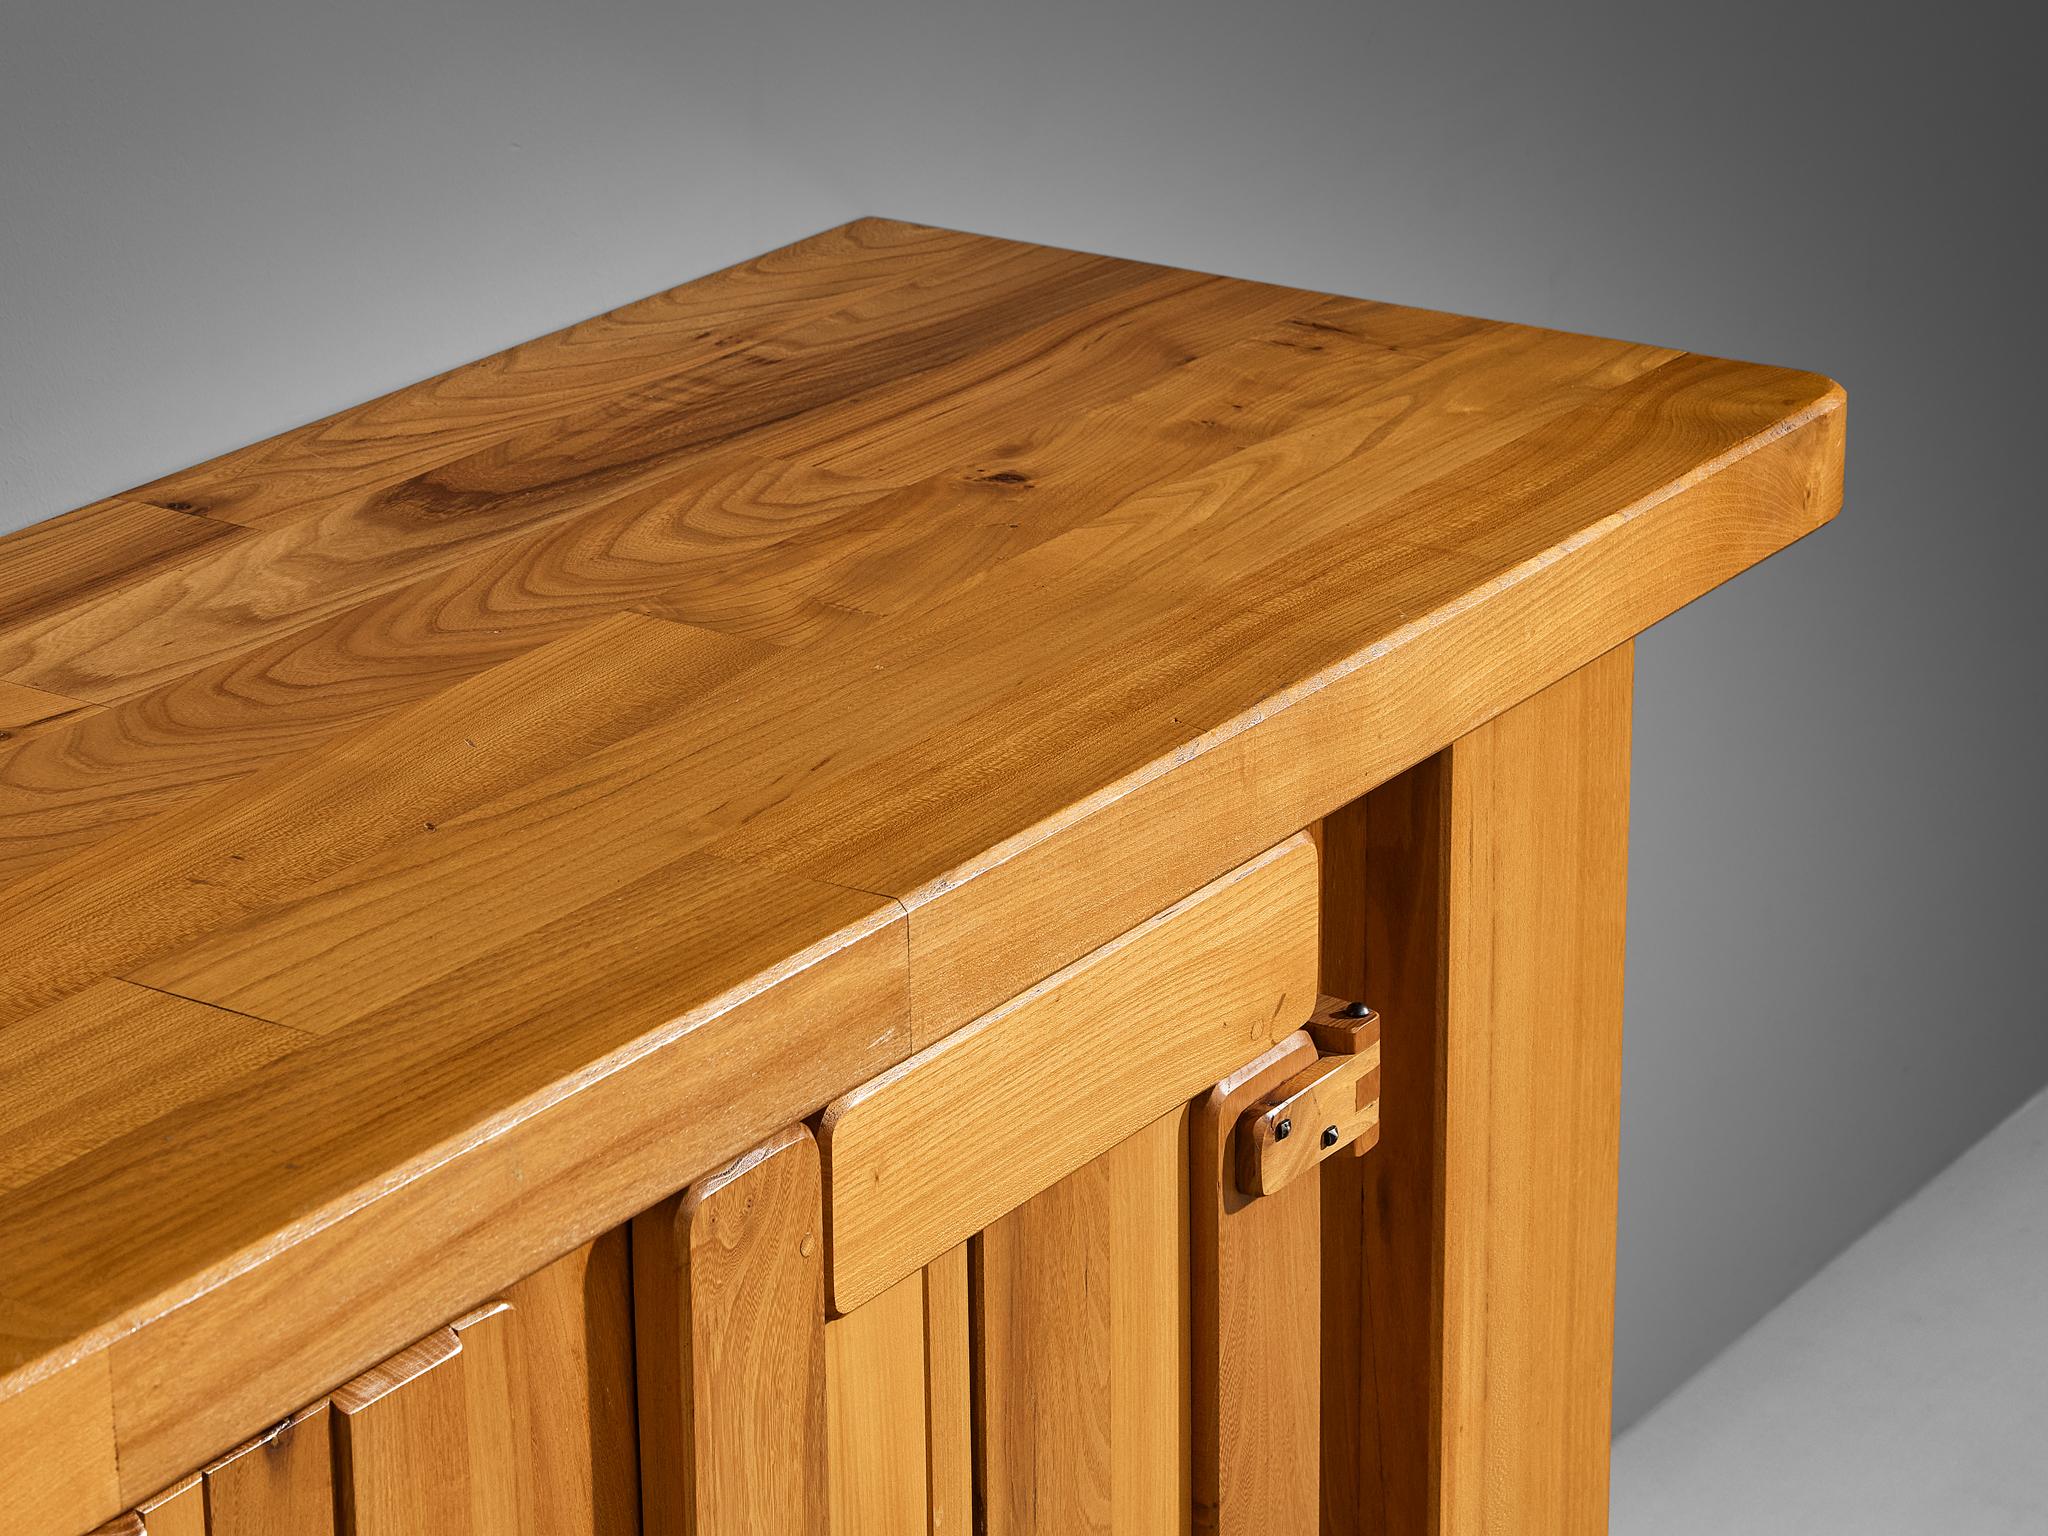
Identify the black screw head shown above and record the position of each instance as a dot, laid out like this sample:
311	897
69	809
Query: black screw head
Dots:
1329	1135
1354	1010
1283	1130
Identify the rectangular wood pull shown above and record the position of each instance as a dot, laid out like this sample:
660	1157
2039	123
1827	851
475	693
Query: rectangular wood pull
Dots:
1329	1105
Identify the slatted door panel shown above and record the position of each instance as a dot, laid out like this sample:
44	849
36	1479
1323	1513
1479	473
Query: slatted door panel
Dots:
875	1414
517	1420
729	1299
1256	1304
899	1410
1128	1345
549	1389
402	1445
178	1511
949	1395
570	1378
281	1484
1080	1309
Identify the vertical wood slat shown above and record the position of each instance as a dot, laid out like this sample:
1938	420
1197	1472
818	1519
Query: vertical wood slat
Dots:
579	1443
1257	1325
949	1396
401	1443
899	1414
875	1414
728	1283
1149	1327
1537	876
177	1511
1356	1498
494	1390
281	1484
546	1443
1080	1308
1478	901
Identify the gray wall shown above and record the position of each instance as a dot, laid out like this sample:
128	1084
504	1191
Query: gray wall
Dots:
218	219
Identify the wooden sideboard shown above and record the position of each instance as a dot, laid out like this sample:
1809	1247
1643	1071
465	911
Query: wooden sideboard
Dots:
760	915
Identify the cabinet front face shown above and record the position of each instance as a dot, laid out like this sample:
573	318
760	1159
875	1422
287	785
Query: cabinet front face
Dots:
680	1375
966	1294
1146	1249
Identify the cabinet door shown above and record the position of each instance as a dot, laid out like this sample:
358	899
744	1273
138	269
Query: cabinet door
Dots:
1081	1311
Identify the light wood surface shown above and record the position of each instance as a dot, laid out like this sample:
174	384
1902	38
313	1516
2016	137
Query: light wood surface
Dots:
579	1440
1257	1347
1329	1107
26	711
875	1416
936	1149
53	571
948	1396
281	1484
401	1444
729	1333
1081	1304
1479	900
847	641
1537	833
57	1451
179	1511
147	1054
494	1392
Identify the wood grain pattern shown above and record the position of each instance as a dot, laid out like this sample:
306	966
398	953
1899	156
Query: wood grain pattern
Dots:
495	1389
1081	1307
728	1298
87	778
1257	1351
57	1451
875	1414
53	570
1364	1399
1532	973
26	712
578	1444
399	781
948	1395
415	428
816	386
401	1444
1011	593
280	1484
177	1511
696	1037
935	1149
143	1053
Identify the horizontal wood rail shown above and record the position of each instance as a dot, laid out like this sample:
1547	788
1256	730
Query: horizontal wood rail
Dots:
936	1149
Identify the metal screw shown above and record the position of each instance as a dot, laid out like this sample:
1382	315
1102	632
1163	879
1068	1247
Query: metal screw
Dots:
1354	1010
1329	1135
1283	1130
